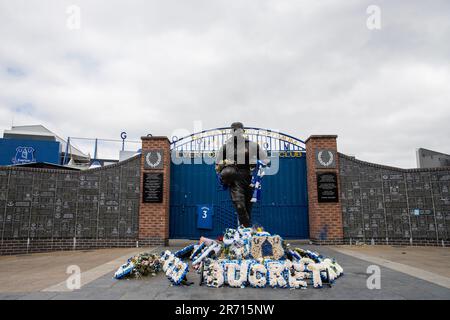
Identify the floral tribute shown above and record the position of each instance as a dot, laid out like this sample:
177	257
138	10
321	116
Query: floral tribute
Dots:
243	257
143	264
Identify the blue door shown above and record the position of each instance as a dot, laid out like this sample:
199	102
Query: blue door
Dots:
283	208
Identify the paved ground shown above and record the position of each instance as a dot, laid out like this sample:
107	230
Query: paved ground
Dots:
429	264
46	279
431	259
35	272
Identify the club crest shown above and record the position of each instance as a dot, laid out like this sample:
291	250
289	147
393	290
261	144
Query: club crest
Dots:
24	155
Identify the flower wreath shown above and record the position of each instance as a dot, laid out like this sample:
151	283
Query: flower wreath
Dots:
197	249
276	273
267	247
124	270
274	264
168	260
257	275
237	243
186	251
297	275
230	236
294	255
178	271
236	272
174	268
316	269
213	274
207	251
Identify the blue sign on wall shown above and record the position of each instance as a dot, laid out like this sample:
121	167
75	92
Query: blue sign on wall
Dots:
204	216
20	151
24	155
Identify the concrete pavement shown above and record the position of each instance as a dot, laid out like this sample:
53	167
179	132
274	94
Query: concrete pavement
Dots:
96	266
35	272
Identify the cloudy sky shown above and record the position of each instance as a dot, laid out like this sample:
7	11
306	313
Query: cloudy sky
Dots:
302	67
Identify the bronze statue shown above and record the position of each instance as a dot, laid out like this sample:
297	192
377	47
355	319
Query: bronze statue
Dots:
235	162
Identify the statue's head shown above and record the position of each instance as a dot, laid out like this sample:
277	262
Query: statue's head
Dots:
237	129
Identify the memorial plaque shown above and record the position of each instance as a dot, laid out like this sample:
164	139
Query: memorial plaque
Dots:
327	188
152	187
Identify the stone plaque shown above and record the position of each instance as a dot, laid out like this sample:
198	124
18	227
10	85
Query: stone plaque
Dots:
152	191
154	159
325	158
327	188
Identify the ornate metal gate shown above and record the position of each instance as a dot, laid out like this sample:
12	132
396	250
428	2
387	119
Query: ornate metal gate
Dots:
283	208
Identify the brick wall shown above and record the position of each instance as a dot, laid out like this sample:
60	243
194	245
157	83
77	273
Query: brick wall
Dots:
35	245
325	219
154	217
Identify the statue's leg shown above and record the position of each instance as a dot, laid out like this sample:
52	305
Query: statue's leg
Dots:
249	196
241	194
248	201
237	193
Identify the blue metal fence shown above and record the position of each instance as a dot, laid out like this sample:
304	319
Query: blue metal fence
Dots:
283	208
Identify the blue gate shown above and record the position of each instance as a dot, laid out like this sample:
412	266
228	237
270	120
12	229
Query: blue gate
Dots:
283	208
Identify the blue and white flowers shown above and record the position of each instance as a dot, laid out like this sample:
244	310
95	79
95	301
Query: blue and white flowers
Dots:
245	257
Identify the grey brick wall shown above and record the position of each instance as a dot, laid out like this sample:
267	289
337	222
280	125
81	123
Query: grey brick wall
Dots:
46	209
379	203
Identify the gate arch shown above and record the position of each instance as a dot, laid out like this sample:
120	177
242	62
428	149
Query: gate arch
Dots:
212	139
283	208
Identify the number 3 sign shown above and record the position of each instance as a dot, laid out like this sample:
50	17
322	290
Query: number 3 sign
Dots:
204	216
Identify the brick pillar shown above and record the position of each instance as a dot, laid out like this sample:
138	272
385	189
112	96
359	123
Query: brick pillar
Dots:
154	216
325	218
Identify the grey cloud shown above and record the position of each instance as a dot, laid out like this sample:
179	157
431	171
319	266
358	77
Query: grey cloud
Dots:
300	67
